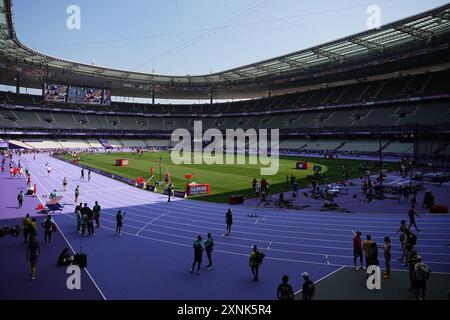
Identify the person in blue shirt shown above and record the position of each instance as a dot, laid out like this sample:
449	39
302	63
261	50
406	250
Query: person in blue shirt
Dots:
198	254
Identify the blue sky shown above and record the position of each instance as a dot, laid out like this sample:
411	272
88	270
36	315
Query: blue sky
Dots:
194	36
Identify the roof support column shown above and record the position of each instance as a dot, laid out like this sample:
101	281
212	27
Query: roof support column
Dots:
153	95
17	85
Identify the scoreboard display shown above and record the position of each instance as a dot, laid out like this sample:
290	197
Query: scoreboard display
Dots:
75	94
302	165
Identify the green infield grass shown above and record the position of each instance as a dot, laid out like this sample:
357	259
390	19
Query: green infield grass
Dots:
224	179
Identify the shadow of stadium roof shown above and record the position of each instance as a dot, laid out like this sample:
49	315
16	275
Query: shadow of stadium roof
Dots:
411	32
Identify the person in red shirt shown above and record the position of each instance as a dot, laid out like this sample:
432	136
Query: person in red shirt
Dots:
357	250
412	219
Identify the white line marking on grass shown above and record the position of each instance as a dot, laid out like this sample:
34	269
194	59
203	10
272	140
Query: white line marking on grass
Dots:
145	226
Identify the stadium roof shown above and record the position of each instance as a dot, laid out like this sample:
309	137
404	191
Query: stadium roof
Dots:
407	33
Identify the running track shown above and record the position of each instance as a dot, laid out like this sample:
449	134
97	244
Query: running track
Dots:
151	260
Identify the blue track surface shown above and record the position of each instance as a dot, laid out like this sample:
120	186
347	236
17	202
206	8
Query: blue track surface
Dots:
151	260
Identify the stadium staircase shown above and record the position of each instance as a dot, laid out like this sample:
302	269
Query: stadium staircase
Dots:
386	145
341	145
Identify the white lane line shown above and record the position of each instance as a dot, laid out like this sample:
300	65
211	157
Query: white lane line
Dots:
142	229
326	257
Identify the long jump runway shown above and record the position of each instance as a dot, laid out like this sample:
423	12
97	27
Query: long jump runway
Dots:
152	258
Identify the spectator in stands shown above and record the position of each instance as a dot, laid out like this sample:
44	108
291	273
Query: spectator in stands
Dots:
412	220
285	291
421	275
367	247
33	252
357	250
20	199
198	254
308	289
26	225
96	210
228	221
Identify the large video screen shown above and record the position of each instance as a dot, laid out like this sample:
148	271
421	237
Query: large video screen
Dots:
55	92
74	94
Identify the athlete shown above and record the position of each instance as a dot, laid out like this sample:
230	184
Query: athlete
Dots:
209	247
229	221
357	250
65	184
198	254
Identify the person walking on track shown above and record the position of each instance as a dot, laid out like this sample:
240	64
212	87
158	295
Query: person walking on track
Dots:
82	174
65	184
77	193
33	252
96	209
119	222
412	218
255	261
89	175
229	221
20	199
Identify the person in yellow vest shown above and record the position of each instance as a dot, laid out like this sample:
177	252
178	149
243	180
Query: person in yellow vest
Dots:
26	224
33	228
